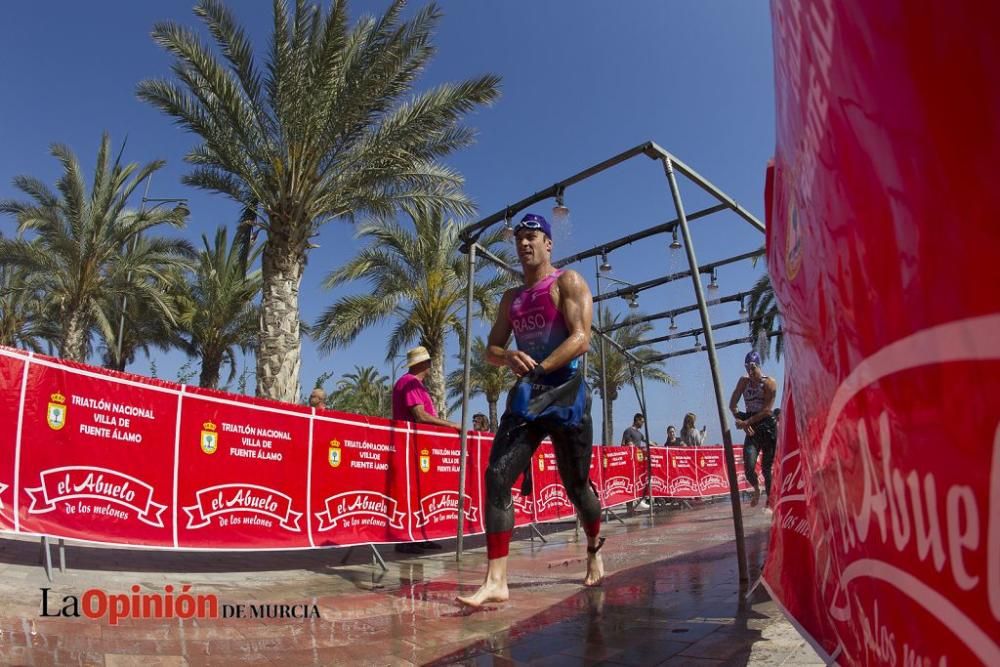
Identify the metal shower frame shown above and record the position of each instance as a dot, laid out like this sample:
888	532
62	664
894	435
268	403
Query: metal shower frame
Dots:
670	164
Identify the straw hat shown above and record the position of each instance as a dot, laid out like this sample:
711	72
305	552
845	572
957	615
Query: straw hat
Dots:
416	355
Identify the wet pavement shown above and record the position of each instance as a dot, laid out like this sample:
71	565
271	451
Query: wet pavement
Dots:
671	597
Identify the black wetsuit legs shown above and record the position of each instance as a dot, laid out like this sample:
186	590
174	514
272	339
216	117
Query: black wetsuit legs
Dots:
515	442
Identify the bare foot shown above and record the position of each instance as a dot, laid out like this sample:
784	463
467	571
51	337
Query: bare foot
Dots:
490	591
595	570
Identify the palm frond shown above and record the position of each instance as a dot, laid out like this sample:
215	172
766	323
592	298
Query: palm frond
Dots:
765	317
341	324
86	255
321	130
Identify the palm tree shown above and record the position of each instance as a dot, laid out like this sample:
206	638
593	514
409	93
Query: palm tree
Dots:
764	316
363	392
418	279
22	317
619	371
77	256
145	325
484	378
218	310
321	132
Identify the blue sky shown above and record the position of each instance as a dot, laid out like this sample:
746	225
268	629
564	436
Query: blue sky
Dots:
582	80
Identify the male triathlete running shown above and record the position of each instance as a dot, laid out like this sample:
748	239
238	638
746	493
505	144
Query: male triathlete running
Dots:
550	317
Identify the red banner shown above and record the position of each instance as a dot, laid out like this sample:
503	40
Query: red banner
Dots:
475	503
711	470
245	467
882	249
741	470
434	492
96	455
682	472
358	481
617	475
549	495
657	463
11	375
596	478
660	471
113	458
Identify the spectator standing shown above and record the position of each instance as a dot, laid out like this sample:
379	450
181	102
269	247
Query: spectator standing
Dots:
317	399
690	435
634	434
410	399
672	439
412	402
481	423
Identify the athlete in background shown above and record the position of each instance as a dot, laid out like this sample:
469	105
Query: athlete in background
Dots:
758	392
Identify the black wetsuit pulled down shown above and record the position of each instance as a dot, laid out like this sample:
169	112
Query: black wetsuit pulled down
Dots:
555	405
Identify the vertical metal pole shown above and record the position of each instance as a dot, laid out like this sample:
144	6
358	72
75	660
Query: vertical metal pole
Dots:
464	435
135	242
47	555
377	558
606	434
727	439
649	451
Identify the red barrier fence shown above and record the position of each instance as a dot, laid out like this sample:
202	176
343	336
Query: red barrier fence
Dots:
882	245
112	458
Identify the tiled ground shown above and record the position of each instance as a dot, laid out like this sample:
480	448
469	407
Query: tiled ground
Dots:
671	598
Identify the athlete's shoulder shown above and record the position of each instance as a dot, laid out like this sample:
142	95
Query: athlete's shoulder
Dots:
509	294
506	304
570	279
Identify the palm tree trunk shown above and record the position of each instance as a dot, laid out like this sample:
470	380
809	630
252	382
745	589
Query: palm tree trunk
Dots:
210	365
435	379
280	354
493	414
611	423
74	342
117	363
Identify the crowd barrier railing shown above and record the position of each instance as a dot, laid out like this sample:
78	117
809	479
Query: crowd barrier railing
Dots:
112	458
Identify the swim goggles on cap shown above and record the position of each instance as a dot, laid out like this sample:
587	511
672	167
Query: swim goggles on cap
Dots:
536	222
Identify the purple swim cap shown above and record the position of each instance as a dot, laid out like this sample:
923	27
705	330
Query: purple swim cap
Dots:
534	221
751	358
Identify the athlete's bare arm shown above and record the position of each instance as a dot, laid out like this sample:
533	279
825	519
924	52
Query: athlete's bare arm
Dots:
734	402
421	416
770	391
572	297
496	347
